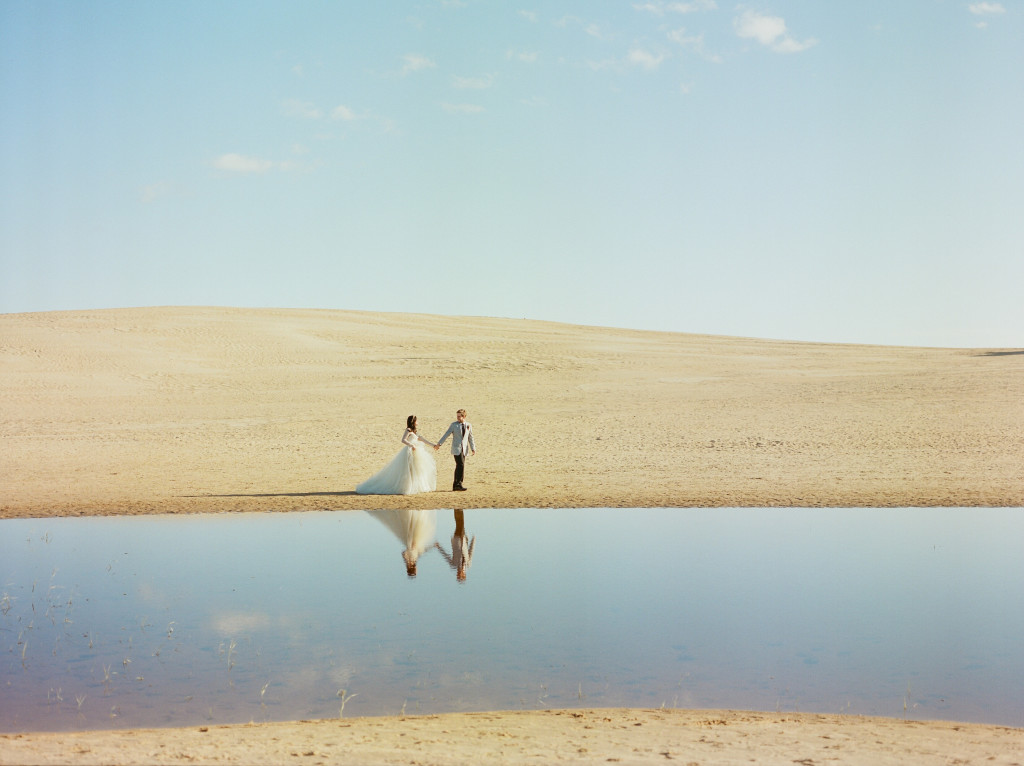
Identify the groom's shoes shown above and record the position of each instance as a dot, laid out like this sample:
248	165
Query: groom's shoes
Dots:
458	488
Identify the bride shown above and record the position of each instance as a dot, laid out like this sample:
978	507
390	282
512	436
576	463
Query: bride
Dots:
412	470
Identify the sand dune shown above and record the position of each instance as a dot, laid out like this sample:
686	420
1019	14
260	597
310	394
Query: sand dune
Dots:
185	410
182	410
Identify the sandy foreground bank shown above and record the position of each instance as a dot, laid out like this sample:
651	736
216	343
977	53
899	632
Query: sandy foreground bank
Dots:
185	410
576	736
171	410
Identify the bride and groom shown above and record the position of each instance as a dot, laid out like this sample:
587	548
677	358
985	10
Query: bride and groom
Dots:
413	469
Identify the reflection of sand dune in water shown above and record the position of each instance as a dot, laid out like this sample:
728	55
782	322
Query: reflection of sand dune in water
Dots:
416	530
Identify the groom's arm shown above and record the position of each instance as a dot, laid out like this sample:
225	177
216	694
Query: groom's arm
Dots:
472	441
443	438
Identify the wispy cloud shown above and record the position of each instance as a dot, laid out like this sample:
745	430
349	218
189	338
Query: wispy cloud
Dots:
462	108
644	58
415	63
604	65
986	9
473	83
153	192
591	28
527	57
693	43
240	163
660	8
770	31
304	109
530	16
343	113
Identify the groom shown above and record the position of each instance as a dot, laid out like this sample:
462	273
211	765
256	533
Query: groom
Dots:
462	442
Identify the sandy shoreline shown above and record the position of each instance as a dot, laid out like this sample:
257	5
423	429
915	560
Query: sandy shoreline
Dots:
571	736
184	410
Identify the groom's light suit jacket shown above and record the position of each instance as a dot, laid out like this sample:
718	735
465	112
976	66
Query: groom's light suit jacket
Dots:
461	444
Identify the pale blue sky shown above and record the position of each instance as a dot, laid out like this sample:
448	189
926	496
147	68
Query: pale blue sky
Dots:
797	169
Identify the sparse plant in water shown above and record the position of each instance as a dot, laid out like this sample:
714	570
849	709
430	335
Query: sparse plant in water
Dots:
345	698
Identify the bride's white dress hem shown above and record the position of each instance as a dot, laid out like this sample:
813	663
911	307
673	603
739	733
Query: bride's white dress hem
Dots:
409	472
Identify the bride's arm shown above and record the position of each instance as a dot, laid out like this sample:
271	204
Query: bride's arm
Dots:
425	441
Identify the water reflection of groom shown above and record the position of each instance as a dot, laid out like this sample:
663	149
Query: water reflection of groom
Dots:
462	548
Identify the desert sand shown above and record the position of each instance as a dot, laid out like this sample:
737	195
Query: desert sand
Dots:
187	410
181	410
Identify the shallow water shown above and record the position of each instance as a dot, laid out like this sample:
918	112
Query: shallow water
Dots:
173	621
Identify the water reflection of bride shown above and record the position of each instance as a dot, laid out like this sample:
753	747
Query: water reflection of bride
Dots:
416	530
462	548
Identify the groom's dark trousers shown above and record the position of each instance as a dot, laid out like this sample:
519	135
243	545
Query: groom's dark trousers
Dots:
460	469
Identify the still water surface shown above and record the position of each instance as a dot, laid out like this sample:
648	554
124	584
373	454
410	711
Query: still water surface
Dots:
173	621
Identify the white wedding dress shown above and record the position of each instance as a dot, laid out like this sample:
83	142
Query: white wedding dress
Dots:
409	472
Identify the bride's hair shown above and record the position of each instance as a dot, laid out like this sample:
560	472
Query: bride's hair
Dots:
410	423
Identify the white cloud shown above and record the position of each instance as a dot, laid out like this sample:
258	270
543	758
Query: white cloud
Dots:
343	113
304	109
414	63
693	7
789	45
530	16
765	29
239	163
770	31
600	66
694	43
462	108
591	28
153	192
986	9
646	59
660	8
527	57
473	83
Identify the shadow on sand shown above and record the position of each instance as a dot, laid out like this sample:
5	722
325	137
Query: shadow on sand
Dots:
284	494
